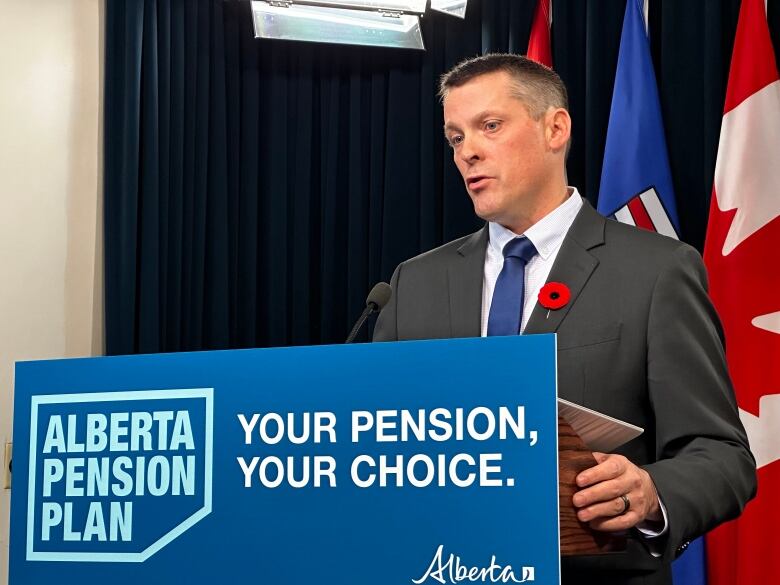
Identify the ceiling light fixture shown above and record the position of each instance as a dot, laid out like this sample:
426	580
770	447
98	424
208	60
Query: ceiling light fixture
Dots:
381	23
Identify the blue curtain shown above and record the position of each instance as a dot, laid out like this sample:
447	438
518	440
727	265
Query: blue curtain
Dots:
255	189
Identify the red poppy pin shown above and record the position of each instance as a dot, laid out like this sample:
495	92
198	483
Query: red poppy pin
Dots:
554	295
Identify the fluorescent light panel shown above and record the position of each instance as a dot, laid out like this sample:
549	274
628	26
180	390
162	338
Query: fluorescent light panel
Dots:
415	6
453	7
298	22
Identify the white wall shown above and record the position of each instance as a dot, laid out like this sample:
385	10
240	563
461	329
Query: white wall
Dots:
50	186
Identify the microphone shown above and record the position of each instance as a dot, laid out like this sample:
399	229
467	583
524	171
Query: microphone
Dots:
375	301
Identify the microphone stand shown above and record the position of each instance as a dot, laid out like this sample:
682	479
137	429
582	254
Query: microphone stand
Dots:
371	307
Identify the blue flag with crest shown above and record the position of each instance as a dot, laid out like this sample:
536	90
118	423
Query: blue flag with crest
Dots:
636	183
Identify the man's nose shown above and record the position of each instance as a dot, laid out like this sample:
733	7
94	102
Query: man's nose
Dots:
470	150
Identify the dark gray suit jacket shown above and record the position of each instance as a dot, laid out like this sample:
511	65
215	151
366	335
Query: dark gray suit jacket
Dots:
639	340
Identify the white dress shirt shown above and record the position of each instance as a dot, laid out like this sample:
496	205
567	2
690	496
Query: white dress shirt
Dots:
547	236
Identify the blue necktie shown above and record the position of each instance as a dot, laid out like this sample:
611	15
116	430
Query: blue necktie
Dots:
506	309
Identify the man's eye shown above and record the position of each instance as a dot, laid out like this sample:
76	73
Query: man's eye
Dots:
455	140
491	126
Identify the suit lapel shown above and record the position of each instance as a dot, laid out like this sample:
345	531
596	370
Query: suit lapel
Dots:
573	267
465	274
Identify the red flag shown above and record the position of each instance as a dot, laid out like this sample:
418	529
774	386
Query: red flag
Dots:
539	43
741	253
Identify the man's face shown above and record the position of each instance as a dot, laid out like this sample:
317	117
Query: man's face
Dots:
500	150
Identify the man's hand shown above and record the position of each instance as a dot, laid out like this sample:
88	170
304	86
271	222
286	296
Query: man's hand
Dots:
599	501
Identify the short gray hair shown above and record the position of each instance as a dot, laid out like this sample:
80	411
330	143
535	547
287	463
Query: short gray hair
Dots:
537	86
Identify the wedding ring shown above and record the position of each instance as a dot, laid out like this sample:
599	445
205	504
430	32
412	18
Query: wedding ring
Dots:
626	504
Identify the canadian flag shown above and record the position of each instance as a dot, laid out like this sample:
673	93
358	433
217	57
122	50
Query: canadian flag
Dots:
742	253
539	42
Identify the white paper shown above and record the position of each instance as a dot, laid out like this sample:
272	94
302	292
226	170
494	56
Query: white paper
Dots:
598	431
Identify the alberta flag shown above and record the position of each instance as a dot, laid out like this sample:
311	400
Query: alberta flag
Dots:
636	184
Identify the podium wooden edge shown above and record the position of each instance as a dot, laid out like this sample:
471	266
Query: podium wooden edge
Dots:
577	538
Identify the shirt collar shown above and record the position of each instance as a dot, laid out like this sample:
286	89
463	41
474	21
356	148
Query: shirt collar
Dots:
546	234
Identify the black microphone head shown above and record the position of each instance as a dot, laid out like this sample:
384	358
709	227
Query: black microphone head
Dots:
379	295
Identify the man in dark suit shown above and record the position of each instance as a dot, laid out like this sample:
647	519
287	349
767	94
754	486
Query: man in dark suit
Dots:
638	339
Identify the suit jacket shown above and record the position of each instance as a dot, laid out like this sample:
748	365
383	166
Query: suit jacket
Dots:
639	340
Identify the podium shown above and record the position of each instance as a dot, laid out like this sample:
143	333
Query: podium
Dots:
382	463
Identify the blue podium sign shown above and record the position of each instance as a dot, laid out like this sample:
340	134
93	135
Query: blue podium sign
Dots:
414	462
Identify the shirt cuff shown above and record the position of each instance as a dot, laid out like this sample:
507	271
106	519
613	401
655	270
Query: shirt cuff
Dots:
650	534
649	530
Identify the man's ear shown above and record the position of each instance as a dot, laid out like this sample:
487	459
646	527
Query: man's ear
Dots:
558	128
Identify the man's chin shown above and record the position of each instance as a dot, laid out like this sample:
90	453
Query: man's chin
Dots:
486	213
494	216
